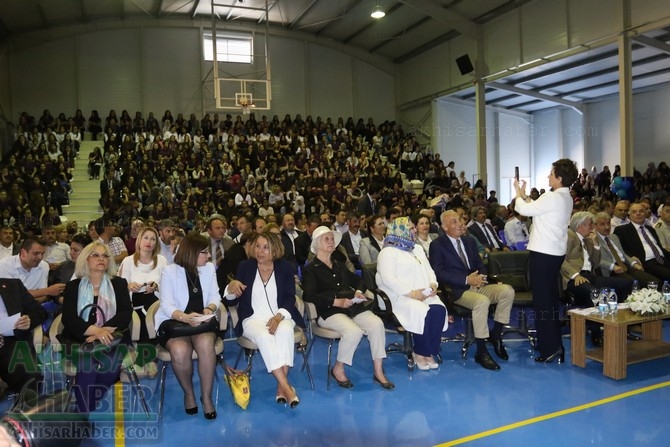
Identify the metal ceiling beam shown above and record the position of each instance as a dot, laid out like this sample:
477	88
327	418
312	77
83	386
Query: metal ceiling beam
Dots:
533	94
265	14
347	10
653	43
194	10
479	20
372	22
451	18
302	13
410	28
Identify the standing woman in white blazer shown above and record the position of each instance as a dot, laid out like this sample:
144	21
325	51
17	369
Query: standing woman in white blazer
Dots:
189	290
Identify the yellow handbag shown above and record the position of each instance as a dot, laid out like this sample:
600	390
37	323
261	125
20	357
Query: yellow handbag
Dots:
238	382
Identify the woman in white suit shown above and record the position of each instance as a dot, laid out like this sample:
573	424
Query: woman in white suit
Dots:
189	290
404	273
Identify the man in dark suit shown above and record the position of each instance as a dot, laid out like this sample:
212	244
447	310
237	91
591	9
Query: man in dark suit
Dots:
304	239
457	264
641	241
484	232
288	237
109	182
367	205
351	239
18	361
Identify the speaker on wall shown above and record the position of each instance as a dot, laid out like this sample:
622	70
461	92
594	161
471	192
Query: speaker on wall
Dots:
465	64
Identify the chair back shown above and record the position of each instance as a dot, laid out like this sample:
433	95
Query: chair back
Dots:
511	267
135	326
150	319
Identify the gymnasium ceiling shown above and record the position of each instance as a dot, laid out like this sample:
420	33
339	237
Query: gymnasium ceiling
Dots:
410	28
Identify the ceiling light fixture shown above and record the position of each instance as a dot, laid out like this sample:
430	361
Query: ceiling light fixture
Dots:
378	13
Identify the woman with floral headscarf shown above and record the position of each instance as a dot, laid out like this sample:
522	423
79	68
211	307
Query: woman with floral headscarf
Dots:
404	273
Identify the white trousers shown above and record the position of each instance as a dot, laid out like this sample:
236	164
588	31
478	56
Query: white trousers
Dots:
277	350
352	330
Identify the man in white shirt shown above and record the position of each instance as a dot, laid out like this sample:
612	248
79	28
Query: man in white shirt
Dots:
620	216
165	234
7	246
33	272
56	252
516	230
341	222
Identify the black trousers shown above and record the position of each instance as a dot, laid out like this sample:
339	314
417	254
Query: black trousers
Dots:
18	364
544	276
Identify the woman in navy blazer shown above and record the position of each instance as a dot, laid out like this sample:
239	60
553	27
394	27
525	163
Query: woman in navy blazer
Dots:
267	311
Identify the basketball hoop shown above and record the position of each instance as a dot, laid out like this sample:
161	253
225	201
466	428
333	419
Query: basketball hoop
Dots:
245	101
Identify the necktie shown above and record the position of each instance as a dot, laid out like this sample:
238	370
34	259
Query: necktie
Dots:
657	254
219	253
374	206
486	233
615	254
461	253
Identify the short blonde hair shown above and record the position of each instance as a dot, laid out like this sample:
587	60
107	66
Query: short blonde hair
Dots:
81	266
274	243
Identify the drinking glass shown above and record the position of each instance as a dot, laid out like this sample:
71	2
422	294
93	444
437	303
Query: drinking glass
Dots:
652	285
595	299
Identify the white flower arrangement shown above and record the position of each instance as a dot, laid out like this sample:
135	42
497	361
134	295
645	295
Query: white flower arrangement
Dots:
647	301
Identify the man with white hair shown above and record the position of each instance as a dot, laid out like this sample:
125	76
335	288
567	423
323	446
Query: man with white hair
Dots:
663	225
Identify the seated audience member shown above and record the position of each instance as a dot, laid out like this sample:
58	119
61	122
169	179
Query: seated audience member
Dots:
188	291
65	271
516	230
456	263
641	241
106	229
266	307
372	245
613	259
484	232
8	247
662	227
351	239
423	235
332	287
620	214
580	271
17	341
404	274
96	304
143	271
33	272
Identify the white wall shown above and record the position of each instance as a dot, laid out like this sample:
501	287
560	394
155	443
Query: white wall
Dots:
158	68
508	137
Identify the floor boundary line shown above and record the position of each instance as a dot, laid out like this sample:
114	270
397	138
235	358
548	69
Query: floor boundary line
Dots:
555	414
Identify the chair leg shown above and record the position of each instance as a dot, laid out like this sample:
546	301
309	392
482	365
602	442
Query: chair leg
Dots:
469	338
135	382
305	364
330	348
162	388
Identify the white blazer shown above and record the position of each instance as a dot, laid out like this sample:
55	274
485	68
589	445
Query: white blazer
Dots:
174	290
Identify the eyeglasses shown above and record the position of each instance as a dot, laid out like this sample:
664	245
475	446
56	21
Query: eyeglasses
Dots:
99	255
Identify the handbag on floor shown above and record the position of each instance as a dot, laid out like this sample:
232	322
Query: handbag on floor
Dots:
239	383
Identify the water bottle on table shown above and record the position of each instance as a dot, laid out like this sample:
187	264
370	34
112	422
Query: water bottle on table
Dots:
603	307
612	302
636	286
666	291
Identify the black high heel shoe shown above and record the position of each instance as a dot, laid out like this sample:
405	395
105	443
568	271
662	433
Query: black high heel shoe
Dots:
559	355
191	411
209	415
295	401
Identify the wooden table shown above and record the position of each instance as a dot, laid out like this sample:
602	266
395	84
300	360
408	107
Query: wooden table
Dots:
617	352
